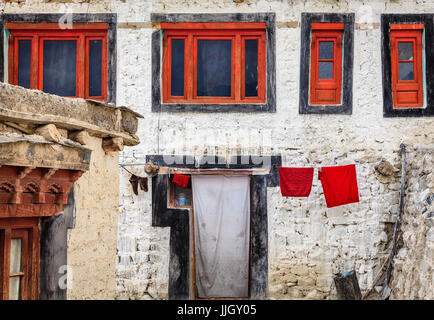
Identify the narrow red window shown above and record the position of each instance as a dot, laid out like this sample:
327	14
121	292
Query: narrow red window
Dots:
406	49
214	62
19	259
326	64
66	62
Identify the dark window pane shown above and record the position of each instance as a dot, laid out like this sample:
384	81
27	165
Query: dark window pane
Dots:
59	67
214	68
405	50
95	68
406	71
177	76
24	54
326	49
325	70
251	68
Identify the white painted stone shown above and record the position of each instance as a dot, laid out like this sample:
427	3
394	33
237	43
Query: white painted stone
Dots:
303	230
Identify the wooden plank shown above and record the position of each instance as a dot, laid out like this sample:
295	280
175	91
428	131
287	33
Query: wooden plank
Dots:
2	262
213	25
12	59
34	64
253	171
407	26
55	26
328	26
7	247
80	67
237	73
35	263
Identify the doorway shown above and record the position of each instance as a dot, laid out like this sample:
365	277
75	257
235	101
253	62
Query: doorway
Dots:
221	227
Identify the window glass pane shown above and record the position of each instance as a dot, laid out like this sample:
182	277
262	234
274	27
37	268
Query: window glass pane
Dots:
325	70
251	71
15	256
14	288
60	67
177	76
182	196
24	53
406	71
326	49
214	68
405	50
95	67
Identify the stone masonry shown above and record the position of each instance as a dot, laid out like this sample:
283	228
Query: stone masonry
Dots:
307	242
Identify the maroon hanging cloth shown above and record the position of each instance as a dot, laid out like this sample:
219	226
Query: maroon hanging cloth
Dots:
181	180
339	184
295	182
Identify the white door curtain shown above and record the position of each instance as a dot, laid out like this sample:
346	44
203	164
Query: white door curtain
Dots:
222	235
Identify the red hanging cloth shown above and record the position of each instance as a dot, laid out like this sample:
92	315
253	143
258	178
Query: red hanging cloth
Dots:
295	182
339	184
181	180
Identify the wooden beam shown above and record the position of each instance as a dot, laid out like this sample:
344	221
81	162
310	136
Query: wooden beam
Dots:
49	132
113	144
253	171
19	127
81	137
65	123
55	25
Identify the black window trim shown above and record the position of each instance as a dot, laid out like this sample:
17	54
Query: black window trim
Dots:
348	59
428	21
109	18
270	104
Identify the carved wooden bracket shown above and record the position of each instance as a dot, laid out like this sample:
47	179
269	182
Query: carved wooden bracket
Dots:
34	192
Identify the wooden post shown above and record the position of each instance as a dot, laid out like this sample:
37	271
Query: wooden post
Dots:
347	287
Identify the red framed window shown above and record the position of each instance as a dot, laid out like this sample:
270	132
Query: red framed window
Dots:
214	62
406	49
19	259
326	64
66	62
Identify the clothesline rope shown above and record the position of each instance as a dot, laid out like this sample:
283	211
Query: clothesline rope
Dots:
127	170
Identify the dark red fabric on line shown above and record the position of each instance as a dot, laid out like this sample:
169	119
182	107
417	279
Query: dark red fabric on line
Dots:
339	185
295	182
181	180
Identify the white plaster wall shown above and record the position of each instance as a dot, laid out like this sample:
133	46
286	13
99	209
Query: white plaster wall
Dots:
307	241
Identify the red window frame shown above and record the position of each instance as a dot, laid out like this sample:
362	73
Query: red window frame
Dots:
39	32
326	91
237	32
27	230
407	93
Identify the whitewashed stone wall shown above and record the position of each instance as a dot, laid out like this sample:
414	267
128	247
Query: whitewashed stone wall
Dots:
413	266
308	243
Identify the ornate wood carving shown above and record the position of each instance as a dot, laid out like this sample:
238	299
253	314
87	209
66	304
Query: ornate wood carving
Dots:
34	192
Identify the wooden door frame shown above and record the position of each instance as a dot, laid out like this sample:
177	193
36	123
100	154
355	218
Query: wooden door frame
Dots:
193	247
